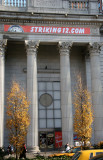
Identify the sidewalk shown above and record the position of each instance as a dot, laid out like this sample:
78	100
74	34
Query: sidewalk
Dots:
32	155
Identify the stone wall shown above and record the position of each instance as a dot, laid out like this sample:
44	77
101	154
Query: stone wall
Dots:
48	60
15	62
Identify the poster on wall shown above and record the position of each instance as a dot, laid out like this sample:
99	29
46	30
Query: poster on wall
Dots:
50	140
58	139
42	137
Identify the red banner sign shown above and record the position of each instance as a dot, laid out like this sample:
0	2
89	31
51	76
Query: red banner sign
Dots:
58	139
47	29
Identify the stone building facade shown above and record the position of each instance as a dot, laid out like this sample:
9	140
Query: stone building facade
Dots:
43	44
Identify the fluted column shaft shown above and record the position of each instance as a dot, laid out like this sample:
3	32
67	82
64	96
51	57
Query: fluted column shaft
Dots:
66	98
32	93
96	89
2	73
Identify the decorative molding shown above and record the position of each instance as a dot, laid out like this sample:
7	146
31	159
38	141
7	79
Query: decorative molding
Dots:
32	44
3	44
65	47
31	47
94	48
95	30
50	22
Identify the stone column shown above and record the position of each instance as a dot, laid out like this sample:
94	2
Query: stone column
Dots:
32	93
88	71
66	98
97	93
2	65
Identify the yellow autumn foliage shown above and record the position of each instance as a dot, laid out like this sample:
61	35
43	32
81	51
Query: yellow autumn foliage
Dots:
18	119
83	116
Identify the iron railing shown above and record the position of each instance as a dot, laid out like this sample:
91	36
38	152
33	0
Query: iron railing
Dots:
15	3
78	4
73	5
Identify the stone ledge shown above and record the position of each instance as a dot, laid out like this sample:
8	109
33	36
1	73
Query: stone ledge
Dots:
48	71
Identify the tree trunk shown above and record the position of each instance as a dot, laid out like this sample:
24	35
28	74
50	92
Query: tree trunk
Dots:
16	153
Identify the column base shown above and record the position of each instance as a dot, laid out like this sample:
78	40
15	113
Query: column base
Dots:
34	149
67	137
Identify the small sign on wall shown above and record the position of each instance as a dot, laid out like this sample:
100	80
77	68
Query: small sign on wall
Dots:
58	139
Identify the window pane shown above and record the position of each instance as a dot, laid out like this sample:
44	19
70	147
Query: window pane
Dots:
50	92
49	86
98	153
56	86
41	107
42	123
50	123
57	113
42	86
76	155
56	95
56	104
91	155
42	114
57	123
49	113
40	93
50	107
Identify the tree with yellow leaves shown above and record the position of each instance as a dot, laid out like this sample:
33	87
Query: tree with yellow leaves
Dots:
83	116
18	118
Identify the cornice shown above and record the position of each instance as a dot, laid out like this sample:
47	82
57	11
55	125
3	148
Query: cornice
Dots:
24	18
48	22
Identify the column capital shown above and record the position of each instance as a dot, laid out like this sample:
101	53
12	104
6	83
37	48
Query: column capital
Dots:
31	46
3	44
64	47
94	48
